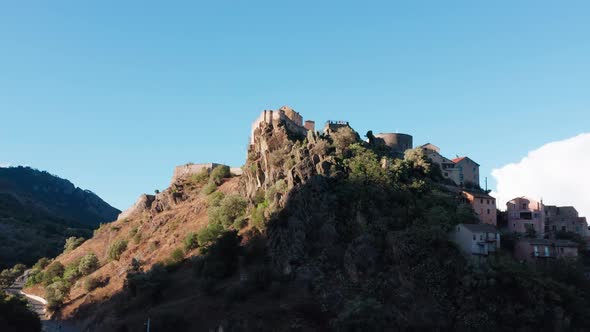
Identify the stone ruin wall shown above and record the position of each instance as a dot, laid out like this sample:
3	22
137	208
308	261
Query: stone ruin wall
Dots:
184	171
293	121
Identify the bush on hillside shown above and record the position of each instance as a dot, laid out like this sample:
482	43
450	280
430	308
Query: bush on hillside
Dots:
56	294
9	276
42	263
215	199
210	188
229	210
53	272
191	241
200	178
91	284
73	243
209	234
88	264
71	272
117	249
219	173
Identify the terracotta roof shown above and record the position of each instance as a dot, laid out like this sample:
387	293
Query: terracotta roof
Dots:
460	159
478	194
481	228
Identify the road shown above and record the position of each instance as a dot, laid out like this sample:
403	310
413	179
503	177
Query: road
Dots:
37	304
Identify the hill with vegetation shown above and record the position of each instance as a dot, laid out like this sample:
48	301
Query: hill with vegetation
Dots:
320	233
39	211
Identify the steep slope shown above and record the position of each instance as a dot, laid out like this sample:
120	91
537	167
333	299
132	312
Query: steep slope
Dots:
38	211
320	233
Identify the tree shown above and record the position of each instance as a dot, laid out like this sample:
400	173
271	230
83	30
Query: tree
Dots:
116	249
73	243
15	315
88	264
191	241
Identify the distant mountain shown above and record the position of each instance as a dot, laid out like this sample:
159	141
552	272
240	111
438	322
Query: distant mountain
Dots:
38	211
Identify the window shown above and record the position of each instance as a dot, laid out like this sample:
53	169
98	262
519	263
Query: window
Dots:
482	201
488	201
561	250
536	250
554	228
489	212
546	251
524	206
563	229
474	238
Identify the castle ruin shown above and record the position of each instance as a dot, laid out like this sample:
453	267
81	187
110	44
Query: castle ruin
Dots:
286	115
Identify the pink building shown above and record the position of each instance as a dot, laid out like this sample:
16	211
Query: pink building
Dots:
484	206
541	249
524	214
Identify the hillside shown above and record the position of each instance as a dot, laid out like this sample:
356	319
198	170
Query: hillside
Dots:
317	234
38	211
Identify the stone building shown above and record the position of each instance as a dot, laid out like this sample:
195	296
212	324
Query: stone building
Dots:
525	214
333	126
398	143
468	171
532	250
484	206
285	115
565	219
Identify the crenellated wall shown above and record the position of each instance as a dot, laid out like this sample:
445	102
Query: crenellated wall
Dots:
293	121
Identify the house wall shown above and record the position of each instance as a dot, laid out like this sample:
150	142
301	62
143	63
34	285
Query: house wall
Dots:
485	208
468	240
469	171
517	225
447	166
523	250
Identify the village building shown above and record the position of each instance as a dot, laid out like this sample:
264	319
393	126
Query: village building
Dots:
540	249
526	215
565	219
462	171
476	239
484	206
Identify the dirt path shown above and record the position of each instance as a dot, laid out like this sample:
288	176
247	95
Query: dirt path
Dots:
37	304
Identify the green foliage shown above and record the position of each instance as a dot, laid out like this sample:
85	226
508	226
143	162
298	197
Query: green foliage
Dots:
55	271
117	249
73	243
15	315
365	167
257	216
200	178
150	285
176	256
343	138
210	188
88	264
9	276
71	273
209	234
229	210
220	258
42	263
190	242
56	294
219	173
214	199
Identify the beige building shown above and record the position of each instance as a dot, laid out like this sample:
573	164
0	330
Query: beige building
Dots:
462	171
476	239
565	219
526	214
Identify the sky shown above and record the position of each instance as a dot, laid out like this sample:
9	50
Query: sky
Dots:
112	95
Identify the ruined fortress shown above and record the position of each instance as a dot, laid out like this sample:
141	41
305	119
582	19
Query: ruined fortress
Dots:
292	120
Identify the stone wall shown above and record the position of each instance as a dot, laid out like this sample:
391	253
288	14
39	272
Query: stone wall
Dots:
183	172
293	121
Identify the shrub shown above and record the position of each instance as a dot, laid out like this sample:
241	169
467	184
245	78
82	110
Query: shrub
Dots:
15	316
73	243
42	263
91	284
191	241
209	234
9	276
88	264
53	272
117	249
215	199
230	209
56	294
71	273
200	178
209	188
257	215
219	173
176	256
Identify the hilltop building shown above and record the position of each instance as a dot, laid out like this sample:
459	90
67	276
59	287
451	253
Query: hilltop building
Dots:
333	126
462	171
540	249
398	143
285	115
476	239
525	214
484	206
565	219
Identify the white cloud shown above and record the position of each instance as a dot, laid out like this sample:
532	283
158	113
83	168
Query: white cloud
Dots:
558	172
4	165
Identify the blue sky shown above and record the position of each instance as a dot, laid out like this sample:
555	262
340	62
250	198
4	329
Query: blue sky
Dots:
113	94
